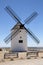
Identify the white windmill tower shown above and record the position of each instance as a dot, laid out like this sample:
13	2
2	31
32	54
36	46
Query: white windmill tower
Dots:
18	35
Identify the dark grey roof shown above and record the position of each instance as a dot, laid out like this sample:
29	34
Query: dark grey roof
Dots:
18	23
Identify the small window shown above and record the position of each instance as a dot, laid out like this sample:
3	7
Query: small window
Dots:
20	41
20	36
21	26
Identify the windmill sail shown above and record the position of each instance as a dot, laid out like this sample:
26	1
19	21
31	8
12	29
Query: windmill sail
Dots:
12	14
30	18
11	36
32	35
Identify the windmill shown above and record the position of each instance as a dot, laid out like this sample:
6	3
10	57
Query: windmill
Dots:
18	35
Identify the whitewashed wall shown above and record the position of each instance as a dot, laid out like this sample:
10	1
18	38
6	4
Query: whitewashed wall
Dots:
15	45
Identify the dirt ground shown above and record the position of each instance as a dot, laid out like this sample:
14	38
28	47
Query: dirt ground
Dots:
23	62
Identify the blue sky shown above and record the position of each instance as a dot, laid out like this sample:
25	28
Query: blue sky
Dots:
23	8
